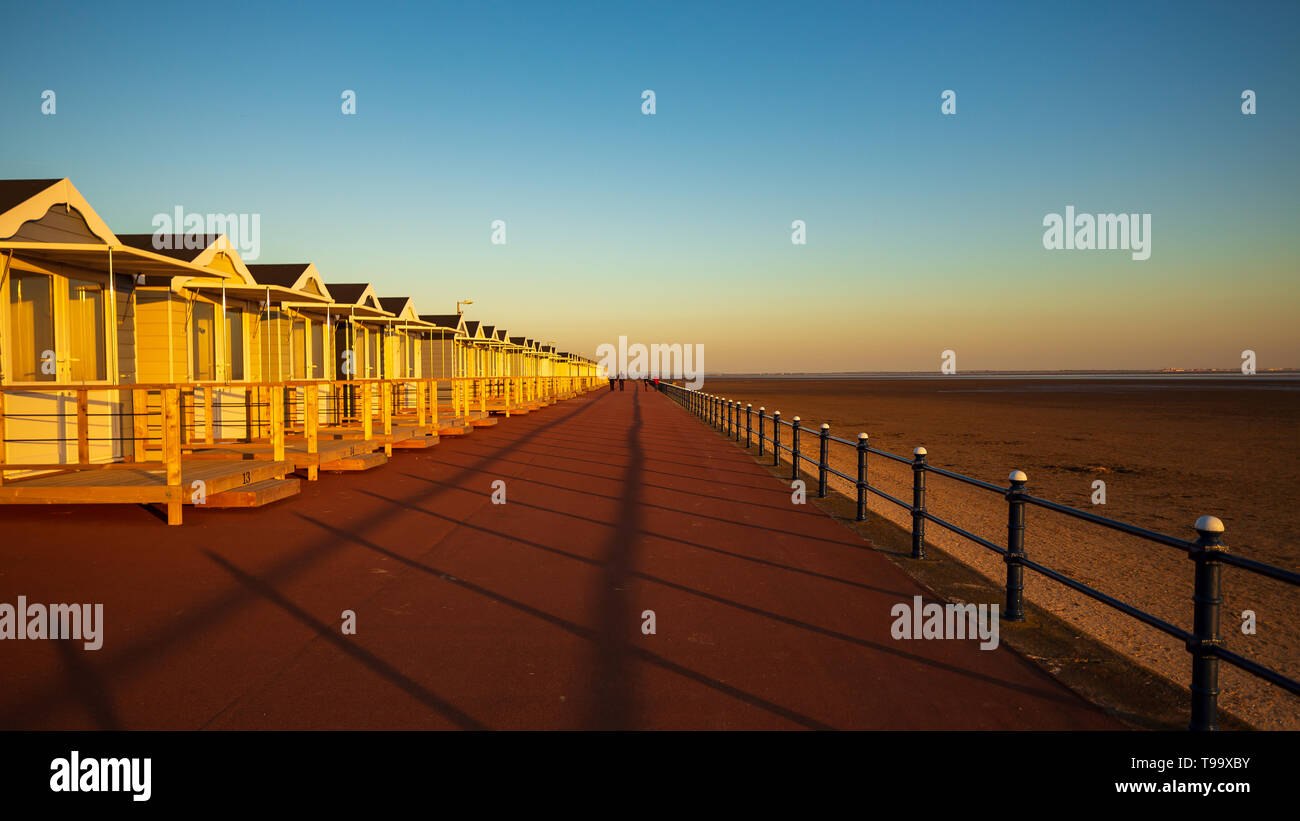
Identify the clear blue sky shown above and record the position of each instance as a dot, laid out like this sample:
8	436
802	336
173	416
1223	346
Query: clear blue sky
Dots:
676	227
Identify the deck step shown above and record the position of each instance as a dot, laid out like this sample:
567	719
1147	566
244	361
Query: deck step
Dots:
417	442
484	422
454	430
256	494
361	461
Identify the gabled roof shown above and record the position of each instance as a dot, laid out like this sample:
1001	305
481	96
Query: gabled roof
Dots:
29	201
297	276
270	288
16	192
354	295
212	251
450	322
396	305
403	308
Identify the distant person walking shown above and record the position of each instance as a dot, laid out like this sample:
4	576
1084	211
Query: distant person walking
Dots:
621	378
611	383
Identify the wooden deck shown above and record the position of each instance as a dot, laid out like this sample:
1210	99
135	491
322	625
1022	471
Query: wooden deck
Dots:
295	450
339	432
257	494
122	483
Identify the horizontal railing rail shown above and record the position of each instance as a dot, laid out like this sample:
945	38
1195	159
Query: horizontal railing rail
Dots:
1203	642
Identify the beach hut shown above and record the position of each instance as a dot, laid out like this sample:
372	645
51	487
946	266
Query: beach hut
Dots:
367	351
490	364
73	337
474	353
414	393
564	374
520	353
303	305
444	360
503	396
360	327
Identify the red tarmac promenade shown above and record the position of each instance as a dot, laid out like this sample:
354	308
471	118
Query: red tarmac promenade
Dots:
526	615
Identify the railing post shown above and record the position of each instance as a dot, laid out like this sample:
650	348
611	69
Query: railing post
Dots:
822	463
1207	599
749	425
311	429
726	417
277	400
776	438
918	503
209	429
367	431
386	408
140	423
862	477
794	449
171	448
83	426
1015	547
762	412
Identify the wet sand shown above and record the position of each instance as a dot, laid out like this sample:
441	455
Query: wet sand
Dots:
1168	451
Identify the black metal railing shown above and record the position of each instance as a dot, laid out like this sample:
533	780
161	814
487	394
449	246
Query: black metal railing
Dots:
1203	642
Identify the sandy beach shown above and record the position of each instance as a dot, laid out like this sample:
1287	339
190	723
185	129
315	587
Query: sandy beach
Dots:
1169	450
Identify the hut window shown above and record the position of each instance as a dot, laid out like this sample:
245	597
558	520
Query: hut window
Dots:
86	332
299	342
317	350
234	343
31	314
203	348
372	354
